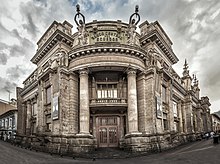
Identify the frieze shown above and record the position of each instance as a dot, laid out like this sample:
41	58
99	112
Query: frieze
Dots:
108	36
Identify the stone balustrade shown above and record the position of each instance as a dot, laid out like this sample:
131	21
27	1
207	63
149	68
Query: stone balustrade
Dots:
108	100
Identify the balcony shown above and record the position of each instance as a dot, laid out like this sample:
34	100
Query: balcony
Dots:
108	102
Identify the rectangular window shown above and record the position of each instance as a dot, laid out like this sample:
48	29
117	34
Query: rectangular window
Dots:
3	123
176	125
165	122
48	122
34	109
107	91
6	123
48	95
175	114
34	128
13	122
10	122
164	97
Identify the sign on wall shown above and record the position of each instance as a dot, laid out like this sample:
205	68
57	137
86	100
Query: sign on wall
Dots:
55	110
158	107
107	36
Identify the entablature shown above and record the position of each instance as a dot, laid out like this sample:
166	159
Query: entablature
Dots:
179	87
30	90
118	48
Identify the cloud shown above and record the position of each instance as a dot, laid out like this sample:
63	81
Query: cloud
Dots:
16	45
14	73
30	26
3	58
6	85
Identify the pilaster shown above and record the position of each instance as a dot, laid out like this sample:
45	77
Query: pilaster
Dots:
180	115
28	122
73	102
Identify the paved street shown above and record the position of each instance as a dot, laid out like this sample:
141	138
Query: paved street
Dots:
197	152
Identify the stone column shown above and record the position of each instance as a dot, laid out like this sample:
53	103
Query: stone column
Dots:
28	122
84	102
132	102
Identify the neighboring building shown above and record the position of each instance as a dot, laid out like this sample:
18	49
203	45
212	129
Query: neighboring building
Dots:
8	119
6	106
109	86
216	122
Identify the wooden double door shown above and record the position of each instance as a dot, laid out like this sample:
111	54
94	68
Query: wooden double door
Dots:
107	131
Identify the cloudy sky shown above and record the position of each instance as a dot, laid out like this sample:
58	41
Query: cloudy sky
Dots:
193	26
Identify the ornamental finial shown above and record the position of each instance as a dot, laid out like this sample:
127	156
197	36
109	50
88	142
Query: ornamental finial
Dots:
136	9
79	17
135	17
77	8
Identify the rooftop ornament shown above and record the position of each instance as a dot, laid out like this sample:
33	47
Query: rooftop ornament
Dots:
185	69
135	17
80	21
79	17
133	21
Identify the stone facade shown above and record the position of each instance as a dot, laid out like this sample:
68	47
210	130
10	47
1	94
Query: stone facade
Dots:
216	122
8	119
109	86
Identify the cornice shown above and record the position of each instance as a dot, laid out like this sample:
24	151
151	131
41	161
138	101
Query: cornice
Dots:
57	37
155	36
29	88
123	49
179	87
194	98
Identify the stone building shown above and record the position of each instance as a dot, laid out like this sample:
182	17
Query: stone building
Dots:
7	105
109	86
8	119
216	121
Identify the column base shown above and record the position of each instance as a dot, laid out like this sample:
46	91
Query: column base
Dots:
133	134
84	135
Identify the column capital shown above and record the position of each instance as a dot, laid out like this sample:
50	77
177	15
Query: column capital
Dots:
131	72
28	102
83	72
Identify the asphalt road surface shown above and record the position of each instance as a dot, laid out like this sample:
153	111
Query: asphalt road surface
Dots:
199	152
